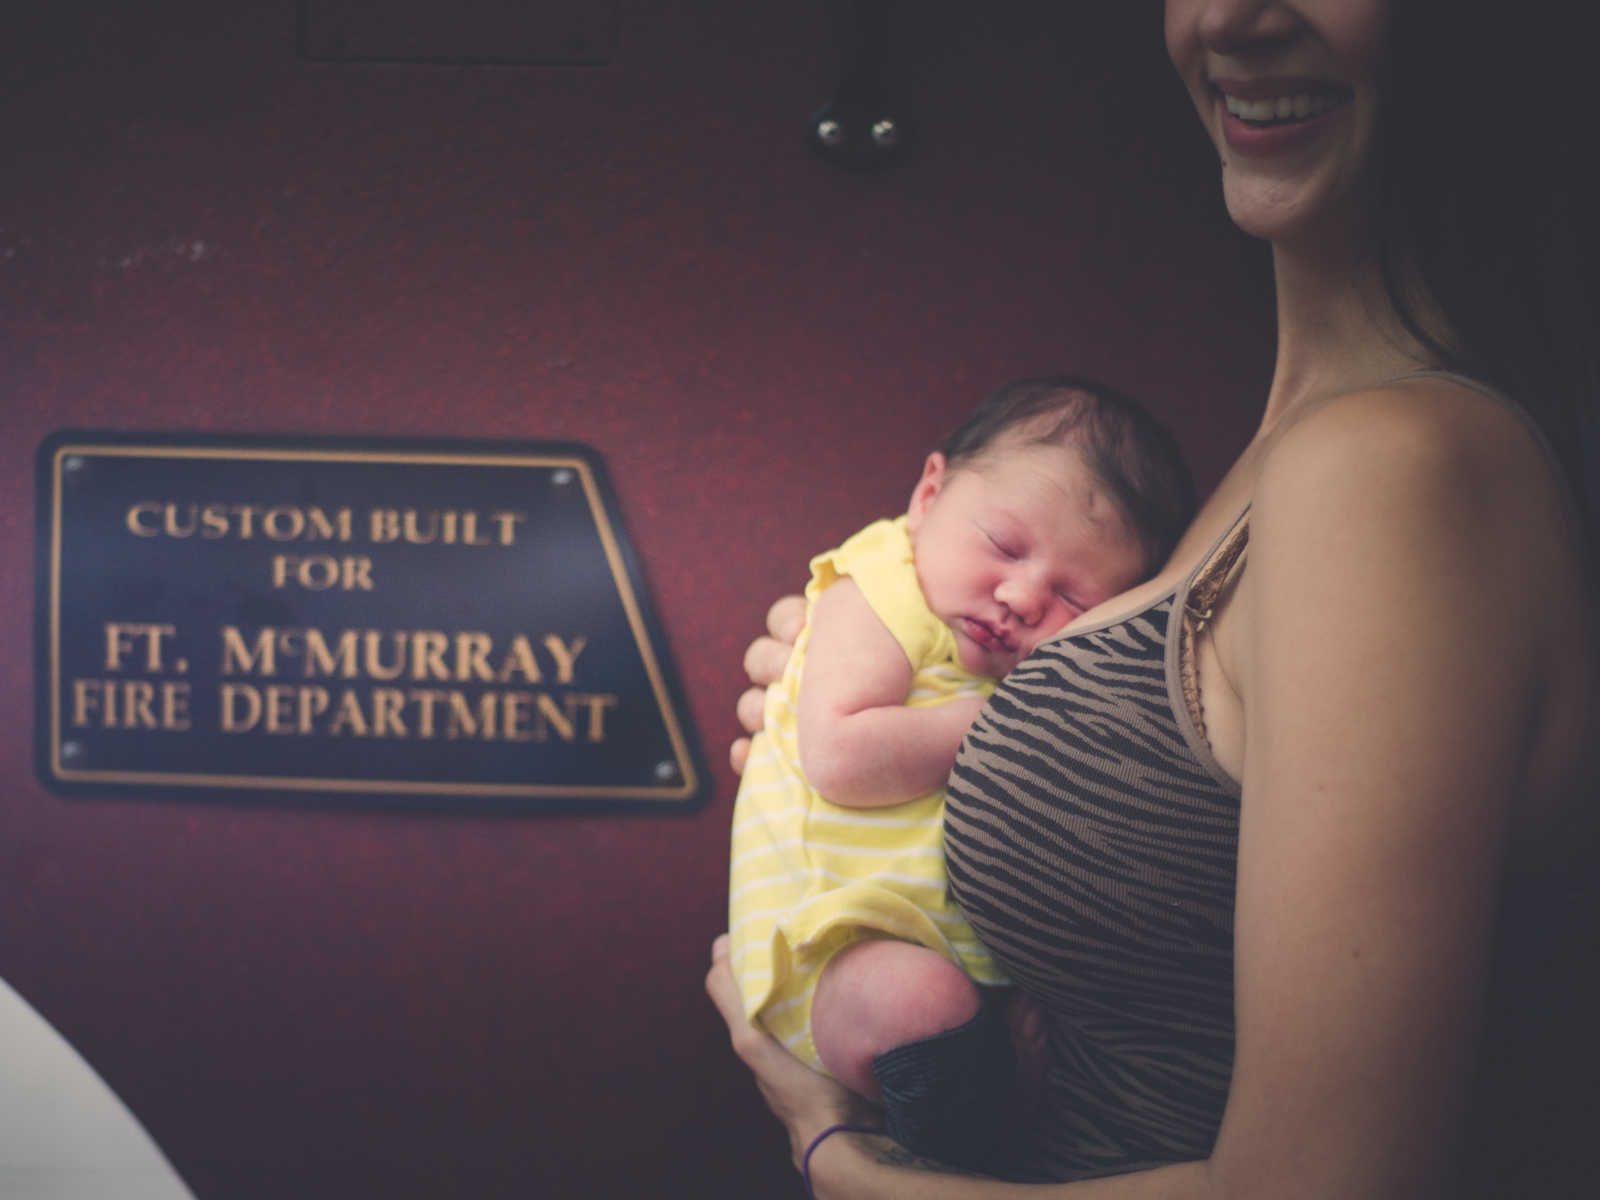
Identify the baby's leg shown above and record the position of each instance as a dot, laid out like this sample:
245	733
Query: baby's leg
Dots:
904	1026
878	994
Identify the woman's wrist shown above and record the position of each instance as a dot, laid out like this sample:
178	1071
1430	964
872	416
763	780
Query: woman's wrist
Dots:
831	1134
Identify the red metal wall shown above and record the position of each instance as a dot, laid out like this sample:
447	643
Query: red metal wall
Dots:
200	230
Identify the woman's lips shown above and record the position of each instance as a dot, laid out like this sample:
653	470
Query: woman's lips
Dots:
1261	117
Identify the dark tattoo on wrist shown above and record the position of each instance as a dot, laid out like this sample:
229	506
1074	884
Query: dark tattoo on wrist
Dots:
892	1154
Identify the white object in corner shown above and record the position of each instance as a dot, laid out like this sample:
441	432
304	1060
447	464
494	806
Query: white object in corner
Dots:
64	1135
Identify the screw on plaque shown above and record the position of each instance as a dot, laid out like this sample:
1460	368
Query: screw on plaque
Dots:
72	464
563	477
71	751
858	129
666	771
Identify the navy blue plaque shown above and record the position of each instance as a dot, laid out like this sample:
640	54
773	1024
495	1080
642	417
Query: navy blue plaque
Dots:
378	620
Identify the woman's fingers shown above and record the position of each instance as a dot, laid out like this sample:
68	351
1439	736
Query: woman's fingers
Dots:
785	618
751	709
748	1041
720	985
764	660
756	1048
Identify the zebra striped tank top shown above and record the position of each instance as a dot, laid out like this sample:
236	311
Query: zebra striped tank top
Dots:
1091	841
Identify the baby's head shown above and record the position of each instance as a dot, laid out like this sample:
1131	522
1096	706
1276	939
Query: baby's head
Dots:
1055	495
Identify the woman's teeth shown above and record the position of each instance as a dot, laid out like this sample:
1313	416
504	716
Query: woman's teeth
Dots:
1280	108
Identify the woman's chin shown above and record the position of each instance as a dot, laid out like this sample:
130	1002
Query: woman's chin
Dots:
1286	210
1259	210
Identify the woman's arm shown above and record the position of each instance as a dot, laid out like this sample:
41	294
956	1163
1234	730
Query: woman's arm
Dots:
1388	642
860	745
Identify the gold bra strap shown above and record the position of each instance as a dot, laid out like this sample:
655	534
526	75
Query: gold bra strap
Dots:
1201	602
1198	608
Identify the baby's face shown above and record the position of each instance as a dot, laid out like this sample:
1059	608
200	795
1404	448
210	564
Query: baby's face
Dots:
1012	545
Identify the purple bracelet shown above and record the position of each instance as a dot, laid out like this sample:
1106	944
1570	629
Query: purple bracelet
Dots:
805	1160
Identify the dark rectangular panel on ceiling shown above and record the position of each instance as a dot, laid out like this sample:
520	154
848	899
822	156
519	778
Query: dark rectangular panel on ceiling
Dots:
529	32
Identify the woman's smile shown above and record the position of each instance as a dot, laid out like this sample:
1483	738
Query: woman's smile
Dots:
1270	116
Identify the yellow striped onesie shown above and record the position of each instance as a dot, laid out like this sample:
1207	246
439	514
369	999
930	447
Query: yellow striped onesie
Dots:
809	877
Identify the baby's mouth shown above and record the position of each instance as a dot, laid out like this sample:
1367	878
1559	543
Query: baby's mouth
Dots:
990	637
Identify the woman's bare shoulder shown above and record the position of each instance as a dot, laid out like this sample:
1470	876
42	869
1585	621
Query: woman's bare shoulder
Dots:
1448	450
1430	496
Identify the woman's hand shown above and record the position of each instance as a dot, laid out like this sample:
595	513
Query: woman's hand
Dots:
763	663
806	1102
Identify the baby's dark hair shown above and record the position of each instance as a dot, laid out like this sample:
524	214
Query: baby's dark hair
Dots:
1131	453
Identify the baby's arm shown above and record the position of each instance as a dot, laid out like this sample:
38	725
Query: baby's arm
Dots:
860	746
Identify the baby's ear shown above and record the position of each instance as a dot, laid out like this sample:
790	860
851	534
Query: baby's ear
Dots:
933	476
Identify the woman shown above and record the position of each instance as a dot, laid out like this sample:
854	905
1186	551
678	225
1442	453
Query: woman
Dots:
1270	937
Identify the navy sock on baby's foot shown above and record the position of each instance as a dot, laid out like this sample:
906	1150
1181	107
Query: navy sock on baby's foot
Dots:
950	1096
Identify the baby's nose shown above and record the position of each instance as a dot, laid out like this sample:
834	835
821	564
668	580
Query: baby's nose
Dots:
1024	598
